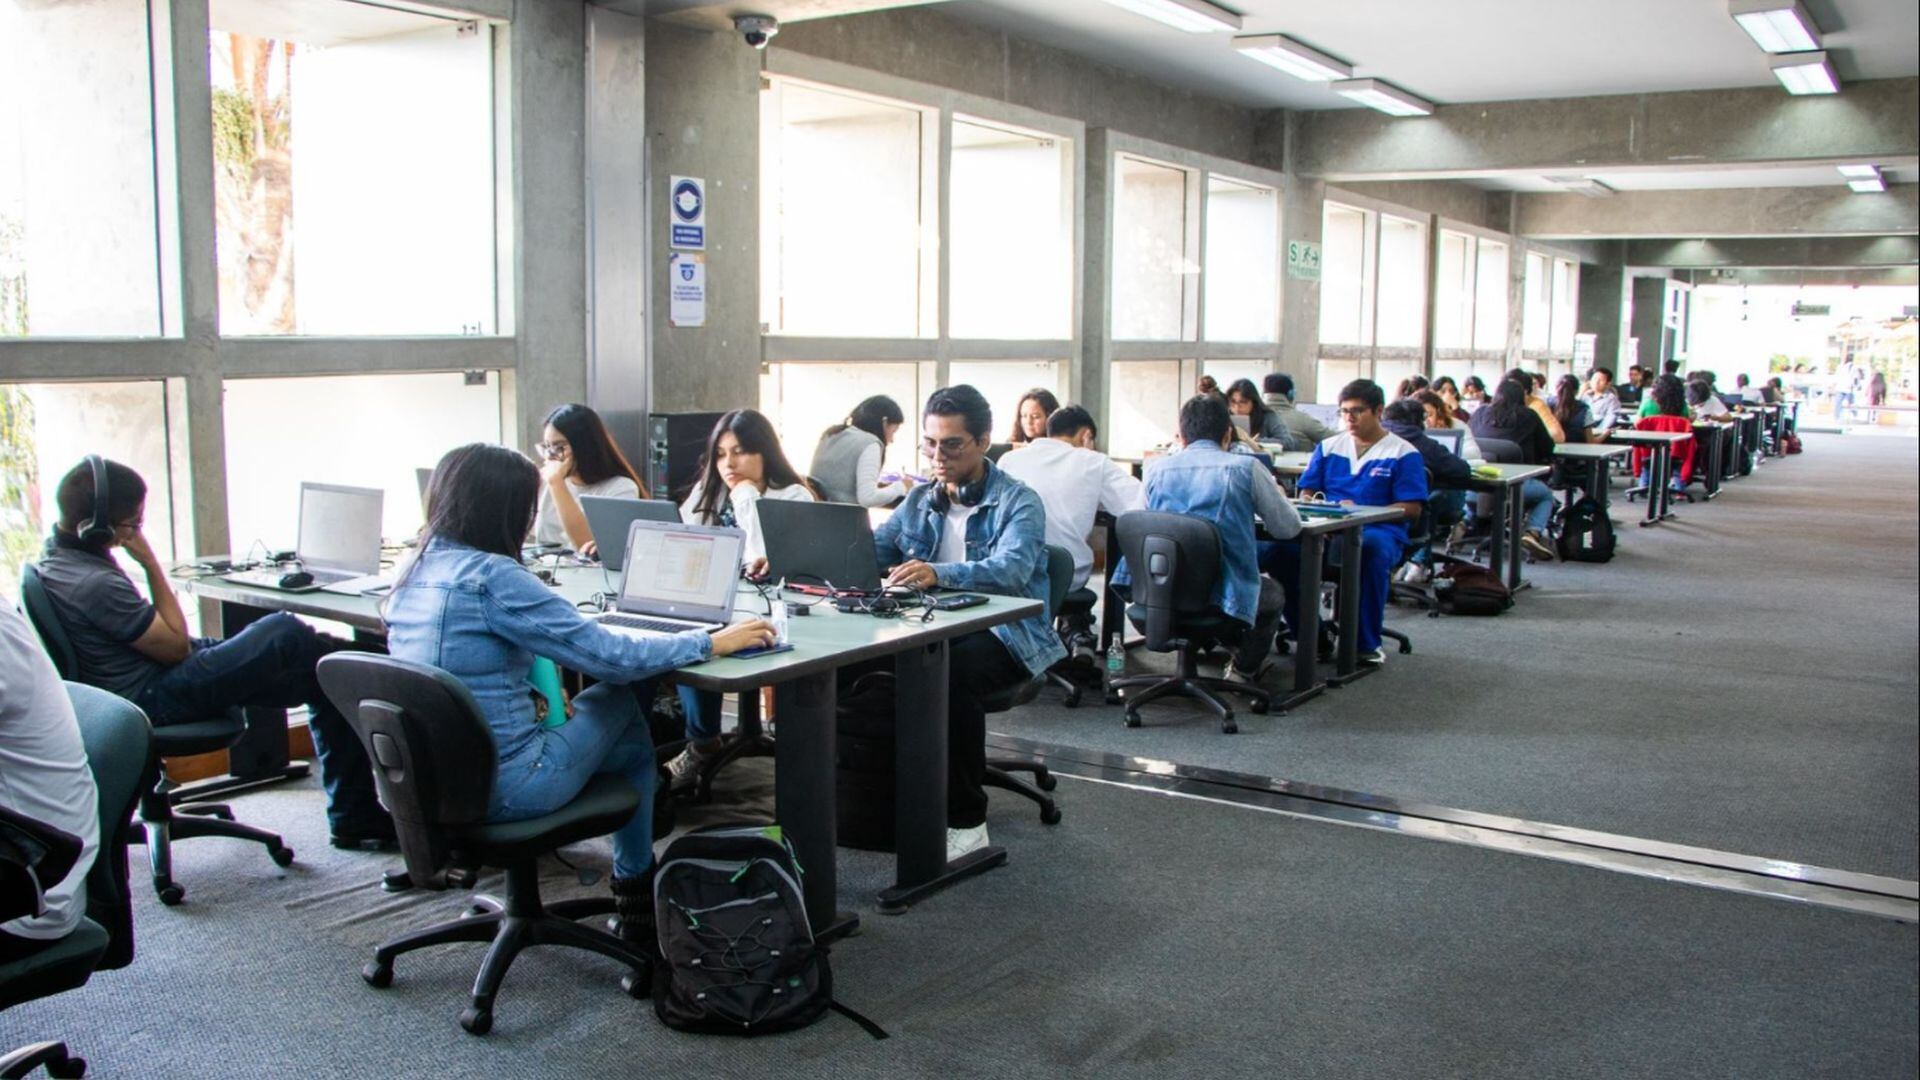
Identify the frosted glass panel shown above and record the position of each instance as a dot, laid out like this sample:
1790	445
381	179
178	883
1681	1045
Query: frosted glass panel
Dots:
1011	238
1243	262
1150	263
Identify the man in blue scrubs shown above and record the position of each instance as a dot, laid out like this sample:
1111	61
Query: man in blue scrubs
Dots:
1365	465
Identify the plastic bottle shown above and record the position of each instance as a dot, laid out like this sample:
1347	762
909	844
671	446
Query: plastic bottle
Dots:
1115	667
779	620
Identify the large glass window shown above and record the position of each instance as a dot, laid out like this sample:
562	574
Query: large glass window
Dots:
1243	262
362	430
1453	292
1403	283
353	170
804	399
1225	372
79	248
847	219
1005	382
1010	233
1334	374
1150	263
1537	321
1144	406
1490	297
1346	276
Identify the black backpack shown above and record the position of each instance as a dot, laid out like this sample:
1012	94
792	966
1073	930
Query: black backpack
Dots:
740	954
1586	532
1466	589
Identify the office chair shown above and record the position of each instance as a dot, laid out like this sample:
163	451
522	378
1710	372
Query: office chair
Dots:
434	763
1000	770
164	822
119	753
1175	561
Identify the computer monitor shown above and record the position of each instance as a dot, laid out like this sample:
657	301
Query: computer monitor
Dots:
685	571
340	528
1451	438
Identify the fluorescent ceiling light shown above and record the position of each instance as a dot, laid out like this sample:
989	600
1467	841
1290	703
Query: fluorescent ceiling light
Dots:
1806	73
1193	16
1777	26
1582	185
1855	172
1868	184
1297	60
1384	96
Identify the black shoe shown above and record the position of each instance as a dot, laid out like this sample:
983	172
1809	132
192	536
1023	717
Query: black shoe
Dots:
380	837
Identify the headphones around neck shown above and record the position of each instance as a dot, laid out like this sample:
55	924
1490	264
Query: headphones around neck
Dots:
97	530
969	494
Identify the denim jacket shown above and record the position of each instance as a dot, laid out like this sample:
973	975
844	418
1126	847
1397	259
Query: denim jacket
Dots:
482	618
1006	554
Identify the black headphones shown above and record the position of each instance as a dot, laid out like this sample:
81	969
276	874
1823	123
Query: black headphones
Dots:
97	530
969	494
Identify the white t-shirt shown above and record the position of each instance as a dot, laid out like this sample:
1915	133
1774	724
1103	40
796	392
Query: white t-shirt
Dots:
746	513
1074	484
547	528
953	538
43	769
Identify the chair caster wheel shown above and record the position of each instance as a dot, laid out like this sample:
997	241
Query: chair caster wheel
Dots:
1406	647
476	1021
170	893
377	975
1050	816
1132	718
282	855
1258	708
1228	727
1045	781
71	1069
637	984
1073	700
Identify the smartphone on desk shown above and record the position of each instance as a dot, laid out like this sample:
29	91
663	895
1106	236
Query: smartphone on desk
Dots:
957	601
763	650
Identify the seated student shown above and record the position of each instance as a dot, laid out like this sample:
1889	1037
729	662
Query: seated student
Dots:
1074	482
1366	465
1512	417
466	605
1473	394
1204	480
1303	429
1535	384
1706	404
1449	392
1439	417
1743	385
1635	387
1447	472
1575	418
581	459
846	464
1675	387
1669	400
1410	386
1030	415
44	776
1774	391
140	649
1670	367
1262	423
743	464
1602	400
972	527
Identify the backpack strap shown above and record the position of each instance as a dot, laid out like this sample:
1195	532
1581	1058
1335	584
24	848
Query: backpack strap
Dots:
866	1025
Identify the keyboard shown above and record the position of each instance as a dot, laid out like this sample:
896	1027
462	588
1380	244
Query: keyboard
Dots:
641	622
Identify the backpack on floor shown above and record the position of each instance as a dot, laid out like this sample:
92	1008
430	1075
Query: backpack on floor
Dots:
1466	589
1586	533
1791	444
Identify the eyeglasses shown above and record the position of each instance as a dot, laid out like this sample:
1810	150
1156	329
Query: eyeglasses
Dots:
554	451
1355	412
952	446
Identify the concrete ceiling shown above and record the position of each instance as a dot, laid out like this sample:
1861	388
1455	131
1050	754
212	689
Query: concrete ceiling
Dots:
1466	50
718	14
316	22
1906	170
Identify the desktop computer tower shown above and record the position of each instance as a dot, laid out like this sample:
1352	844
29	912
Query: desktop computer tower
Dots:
675	442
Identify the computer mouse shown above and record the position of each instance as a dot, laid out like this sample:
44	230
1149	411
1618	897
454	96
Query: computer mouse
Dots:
296	579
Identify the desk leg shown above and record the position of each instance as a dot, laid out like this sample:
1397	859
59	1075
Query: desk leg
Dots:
1515	525
1346	667
260	757
1498	541
1306	632
1654	483
920	784
803	796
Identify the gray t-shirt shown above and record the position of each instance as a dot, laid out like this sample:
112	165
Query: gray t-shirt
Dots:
103	615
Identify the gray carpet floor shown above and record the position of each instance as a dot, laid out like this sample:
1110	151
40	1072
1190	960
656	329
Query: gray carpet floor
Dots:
1145	936
1742	678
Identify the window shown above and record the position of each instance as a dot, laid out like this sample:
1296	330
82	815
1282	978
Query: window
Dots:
1143	406
1225	372
1453	292
353	171
1566	305
847	214
804	399
361	430
79	209
1538	314
1005	382
1150	263
1242	279
1403	283
1334	374
1490	297
1011	234
1346	276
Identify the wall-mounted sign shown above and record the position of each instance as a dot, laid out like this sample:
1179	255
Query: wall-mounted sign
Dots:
687	211
1801	308
1303	260
686	289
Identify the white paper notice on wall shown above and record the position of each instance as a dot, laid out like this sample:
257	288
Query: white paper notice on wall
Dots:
686	289
687	202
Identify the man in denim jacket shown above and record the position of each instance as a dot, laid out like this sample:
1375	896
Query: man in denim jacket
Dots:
972	527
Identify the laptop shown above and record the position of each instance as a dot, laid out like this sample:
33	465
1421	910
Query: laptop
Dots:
339	541
820	543
1451	438
1244	423
609	518
677	578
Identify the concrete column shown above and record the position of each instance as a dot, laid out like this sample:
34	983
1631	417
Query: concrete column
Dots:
1303	210
1096	295
1603	312
1648	319
617	247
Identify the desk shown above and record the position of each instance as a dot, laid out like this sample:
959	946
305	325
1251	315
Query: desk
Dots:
1659	470
1714	436
1507	514
1600	457
1291	462
1770	417
805	695
1314	531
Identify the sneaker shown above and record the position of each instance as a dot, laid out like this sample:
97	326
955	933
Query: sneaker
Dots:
1252	678
1373	659
1537	544
964	842
685	767
1413	574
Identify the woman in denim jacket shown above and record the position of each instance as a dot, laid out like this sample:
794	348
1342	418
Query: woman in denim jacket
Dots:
466	605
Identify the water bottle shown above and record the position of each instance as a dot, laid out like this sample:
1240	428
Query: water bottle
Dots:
1116	666
779	620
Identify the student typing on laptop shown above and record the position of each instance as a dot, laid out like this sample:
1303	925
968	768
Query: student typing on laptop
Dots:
465	604
140	649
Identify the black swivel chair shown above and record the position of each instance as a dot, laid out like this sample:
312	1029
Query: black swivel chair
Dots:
1174	561
434	762
1000	770
164	821
119	752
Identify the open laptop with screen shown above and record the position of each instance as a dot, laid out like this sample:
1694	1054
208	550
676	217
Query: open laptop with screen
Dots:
816	544
1451	438
608	519
677	578
339	540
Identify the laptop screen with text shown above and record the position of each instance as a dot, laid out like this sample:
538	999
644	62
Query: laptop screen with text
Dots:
680	567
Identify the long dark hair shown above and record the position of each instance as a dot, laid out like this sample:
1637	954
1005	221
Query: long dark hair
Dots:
1257	419
1566	401
1509	406
1411	385
1047	401
595	457
871	416
756	436
1474	382
483	496
1669	395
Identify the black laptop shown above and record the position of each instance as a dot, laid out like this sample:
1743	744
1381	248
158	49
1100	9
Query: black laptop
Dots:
818	544
609	519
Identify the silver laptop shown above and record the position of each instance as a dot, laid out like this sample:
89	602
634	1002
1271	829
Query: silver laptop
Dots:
1451	438
1244	423
609	518
339	541
677	578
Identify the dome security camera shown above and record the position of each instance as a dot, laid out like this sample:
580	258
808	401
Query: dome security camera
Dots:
756	30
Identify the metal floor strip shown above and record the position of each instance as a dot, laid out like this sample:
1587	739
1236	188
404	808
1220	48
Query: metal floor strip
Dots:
1869	894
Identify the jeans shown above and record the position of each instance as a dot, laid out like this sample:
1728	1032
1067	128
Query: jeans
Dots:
607	734
270	664
702	709
1537	499
1379	550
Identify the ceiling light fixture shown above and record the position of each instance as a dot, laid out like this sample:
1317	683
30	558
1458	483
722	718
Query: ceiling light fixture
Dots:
1806	73
1856	172
1582	185
1384	96
1777	26
1869	184
1193	16
1301	62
